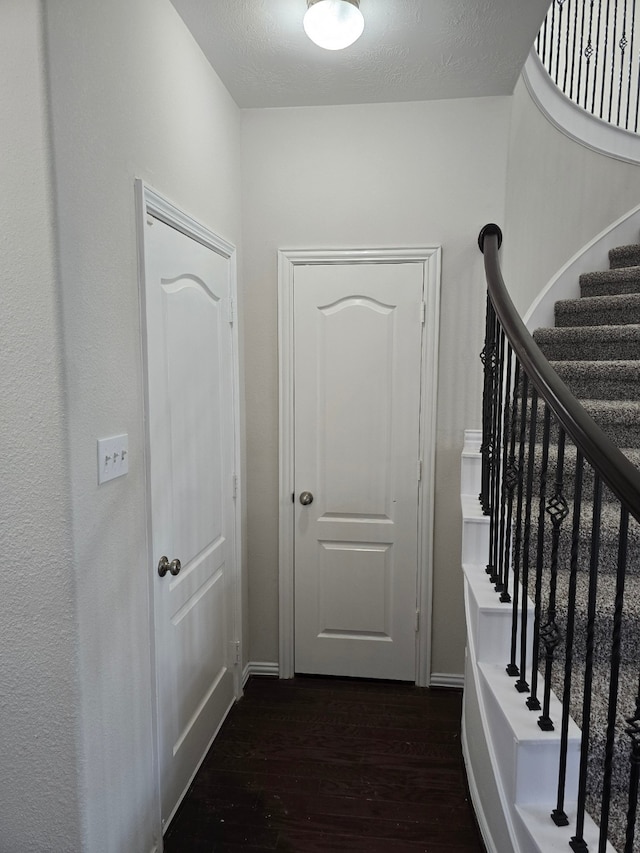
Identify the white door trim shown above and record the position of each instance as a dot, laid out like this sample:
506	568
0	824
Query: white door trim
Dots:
288	259
150	202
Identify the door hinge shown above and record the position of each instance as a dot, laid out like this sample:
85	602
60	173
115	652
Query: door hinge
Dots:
419	470
423	312
235	652
231	311
234	486
417	621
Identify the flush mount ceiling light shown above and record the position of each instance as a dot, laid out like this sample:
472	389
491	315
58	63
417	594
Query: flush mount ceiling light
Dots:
333	24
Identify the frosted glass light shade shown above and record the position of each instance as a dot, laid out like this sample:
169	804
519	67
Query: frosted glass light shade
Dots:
334	24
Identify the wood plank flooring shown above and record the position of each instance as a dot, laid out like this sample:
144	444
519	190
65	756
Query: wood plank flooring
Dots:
322	765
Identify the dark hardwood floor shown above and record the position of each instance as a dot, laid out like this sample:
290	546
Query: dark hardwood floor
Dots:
320	765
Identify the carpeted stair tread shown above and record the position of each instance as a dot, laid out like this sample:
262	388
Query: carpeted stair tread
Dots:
619	419
592	343
609	380
610	282
615	310
603	625
569	470
624	256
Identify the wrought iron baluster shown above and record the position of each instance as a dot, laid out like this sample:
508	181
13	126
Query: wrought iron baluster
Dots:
615	676
577	843
512	667
486	357
566	49
560	4
557	510
573	49
522	685
533	703
633	731
505	397
604	59
622	45
613	58
558	815
633	30
595	86
588	52
496	446
511	481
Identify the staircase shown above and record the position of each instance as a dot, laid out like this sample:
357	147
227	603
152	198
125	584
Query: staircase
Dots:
595	349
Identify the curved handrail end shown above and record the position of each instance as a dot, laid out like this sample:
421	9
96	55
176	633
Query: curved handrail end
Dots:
490	228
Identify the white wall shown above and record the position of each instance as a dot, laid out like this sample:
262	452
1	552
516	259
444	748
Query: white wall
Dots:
559	196
367	176
39	795
131	96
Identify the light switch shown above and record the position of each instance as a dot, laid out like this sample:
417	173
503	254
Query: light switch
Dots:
113	457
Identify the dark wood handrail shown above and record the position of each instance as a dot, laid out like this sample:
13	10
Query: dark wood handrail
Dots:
620	475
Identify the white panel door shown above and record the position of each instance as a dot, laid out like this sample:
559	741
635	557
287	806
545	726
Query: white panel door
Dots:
358	342
191	437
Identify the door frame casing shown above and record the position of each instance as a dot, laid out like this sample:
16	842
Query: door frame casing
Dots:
150	202
288	260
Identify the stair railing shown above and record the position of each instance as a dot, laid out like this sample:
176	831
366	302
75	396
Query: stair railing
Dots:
589	48
540	451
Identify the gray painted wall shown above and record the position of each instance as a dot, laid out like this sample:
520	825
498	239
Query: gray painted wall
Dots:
369	176
40	801
130	95
559	196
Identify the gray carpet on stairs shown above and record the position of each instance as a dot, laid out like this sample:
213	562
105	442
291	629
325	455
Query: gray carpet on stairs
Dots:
595	349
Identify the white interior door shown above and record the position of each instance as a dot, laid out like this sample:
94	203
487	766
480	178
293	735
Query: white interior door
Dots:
357	377
189	360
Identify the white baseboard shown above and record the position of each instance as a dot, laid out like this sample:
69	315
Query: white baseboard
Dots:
446	679
268	668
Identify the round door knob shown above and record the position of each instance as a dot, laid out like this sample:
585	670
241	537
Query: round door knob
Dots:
306	498
165	566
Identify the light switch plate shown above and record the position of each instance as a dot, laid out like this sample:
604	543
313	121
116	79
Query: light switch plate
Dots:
113	457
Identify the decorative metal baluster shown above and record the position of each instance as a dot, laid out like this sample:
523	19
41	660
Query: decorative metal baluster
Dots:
557	510
560	5
604	59
573	49
633	31
588	52
577	843
566	49
486	356
503	535
613	58
558	814
552	43
522	685
512	667
622	45
615	676
595	85
533	703
635	124
634	776
577	53
496	446
511	481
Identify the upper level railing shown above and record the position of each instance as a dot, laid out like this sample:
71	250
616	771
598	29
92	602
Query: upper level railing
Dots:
546	462
591	49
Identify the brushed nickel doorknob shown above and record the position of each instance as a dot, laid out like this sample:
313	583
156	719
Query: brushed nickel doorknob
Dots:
306	498
165	566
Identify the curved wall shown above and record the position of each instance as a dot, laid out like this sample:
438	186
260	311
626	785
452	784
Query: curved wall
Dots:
559	195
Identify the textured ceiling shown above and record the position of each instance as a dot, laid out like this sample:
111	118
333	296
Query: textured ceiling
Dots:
411	50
